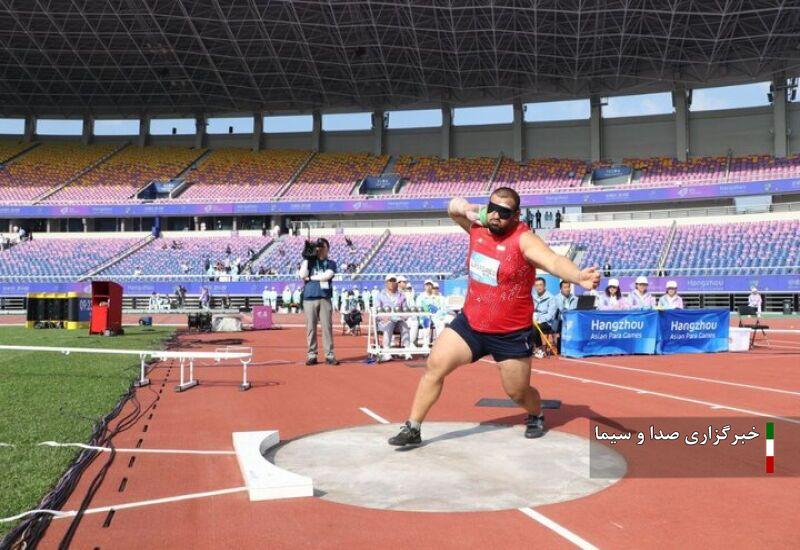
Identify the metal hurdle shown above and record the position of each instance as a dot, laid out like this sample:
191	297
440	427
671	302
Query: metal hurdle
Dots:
181	356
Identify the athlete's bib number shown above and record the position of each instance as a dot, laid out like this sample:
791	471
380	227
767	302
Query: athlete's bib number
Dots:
483	269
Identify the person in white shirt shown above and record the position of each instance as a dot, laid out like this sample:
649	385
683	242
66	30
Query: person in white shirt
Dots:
405	289
265	296
375	292
430	302
671	300
297	297
754	300
365	294
286	298
640	298
611	299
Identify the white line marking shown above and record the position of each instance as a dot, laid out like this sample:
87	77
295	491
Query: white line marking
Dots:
667	395
559	529
795	342
771	345
123	450
6	445
684	376
58	514
374	416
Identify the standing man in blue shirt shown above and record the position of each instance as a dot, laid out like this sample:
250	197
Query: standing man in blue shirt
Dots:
544	313
317	293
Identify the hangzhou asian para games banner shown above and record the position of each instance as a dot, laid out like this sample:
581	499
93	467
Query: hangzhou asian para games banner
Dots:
609	333
693	331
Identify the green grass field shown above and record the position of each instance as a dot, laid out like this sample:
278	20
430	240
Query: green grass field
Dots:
50	396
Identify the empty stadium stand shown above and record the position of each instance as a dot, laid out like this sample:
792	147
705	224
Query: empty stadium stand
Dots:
241	175
121	176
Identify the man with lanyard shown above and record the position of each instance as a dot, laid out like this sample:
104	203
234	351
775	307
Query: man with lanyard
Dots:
497	317
640	298
317	293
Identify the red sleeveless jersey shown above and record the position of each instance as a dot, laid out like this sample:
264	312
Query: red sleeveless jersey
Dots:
499	297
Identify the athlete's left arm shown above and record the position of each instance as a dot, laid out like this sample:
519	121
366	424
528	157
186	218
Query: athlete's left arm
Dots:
539	254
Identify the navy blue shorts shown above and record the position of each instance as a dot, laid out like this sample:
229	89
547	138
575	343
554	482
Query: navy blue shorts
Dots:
510	345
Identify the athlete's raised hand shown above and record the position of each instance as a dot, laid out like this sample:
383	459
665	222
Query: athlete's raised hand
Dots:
589	278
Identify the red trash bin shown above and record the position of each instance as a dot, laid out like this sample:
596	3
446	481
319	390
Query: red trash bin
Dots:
106	308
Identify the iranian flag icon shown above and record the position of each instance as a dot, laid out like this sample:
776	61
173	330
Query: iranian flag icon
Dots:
770	447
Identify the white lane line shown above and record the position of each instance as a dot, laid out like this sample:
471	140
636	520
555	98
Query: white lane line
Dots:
666	395
559	529
123	450
771	345
683	376
58	514
374	416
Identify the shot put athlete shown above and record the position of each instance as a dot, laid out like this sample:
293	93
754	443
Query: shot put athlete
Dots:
497	318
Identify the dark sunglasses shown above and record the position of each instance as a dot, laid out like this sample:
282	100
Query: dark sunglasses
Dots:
502	211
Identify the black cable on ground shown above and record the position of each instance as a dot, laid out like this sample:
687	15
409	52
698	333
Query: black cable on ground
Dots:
31	530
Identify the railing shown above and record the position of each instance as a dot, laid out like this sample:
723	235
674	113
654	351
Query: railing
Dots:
373	223
635	184
438	275
224	278
677	213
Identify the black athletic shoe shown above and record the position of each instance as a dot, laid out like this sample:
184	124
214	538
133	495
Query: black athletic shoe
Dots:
311	361
407	436
332	361
534	426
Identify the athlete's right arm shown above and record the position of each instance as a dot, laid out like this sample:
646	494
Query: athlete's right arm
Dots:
463	213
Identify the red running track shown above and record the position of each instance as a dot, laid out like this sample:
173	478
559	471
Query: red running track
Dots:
297	400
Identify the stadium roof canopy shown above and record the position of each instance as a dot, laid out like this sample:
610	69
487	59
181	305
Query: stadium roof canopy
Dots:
126	57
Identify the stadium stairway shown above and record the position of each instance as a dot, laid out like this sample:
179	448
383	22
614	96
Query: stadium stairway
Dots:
30	147
373	252
192	163
391	164
178	191
258	254
667	244
296	175
80	174
118	258
490	183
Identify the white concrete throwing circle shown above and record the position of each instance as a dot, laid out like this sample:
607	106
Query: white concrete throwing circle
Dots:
460	467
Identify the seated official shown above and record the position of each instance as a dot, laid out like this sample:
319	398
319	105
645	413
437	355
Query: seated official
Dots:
544	314
640	298
429	301
565	301
611	299
392	298
671	300
754	300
